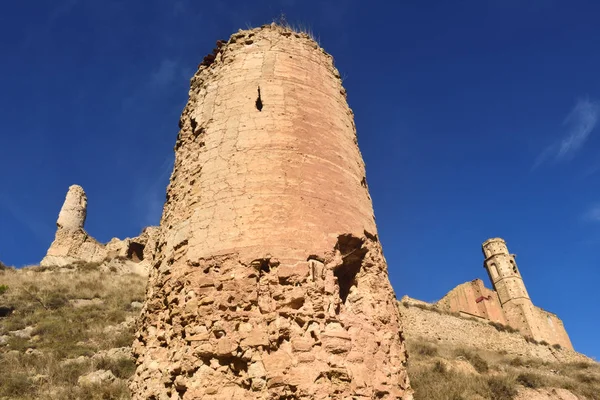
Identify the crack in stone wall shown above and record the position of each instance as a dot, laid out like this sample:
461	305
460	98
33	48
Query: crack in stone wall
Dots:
269	281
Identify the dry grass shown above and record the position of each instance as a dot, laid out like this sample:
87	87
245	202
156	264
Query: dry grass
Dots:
435	374
34	368
282	21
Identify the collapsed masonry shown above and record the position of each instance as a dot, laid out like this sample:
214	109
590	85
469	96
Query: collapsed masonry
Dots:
269	281
72	245
509	303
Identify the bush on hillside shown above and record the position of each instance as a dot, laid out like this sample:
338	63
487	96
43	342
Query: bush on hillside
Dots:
531	380
503	328
474	359
422	349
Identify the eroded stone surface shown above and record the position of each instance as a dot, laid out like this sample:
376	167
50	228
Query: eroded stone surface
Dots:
73	245
420	321
269	281
74	210
509	303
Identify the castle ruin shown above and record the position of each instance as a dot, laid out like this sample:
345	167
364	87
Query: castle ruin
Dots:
73	246
269	280
509	303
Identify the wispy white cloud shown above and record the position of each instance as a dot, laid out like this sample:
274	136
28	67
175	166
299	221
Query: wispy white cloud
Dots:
593	214
578	126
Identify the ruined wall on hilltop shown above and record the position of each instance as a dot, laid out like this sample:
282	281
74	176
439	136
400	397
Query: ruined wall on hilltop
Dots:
71	242
519	310
473	298
269	280
72	245
421	323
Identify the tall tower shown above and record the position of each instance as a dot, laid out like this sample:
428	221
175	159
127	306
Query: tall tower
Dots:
269	280
506	278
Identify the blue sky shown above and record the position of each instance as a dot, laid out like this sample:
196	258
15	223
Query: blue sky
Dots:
476	119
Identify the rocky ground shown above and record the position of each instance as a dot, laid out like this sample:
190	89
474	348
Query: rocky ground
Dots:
443	372
66	334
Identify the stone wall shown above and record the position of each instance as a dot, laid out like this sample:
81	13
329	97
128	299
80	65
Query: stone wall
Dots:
269	281
509	304
553	328
72	245
420	323
475	299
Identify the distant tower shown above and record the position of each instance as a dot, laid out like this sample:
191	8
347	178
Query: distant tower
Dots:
507	281
269	281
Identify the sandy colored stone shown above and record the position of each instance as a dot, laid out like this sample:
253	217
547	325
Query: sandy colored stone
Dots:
74	210
100	377
269	280
545	394
518	308
72	245
420	323
509	303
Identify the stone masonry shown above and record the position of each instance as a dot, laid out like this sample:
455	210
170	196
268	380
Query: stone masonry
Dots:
509	302
72	245
519	310
71	242
269	280
421	322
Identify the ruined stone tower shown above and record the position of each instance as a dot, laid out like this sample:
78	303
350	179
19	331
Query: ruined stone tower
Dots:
71	241
269	281
507	281
73	246
74	210
518	308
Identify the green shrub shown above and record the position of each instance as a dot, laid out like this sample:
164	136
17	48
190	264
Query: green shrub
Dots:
544	343
3	288
557	346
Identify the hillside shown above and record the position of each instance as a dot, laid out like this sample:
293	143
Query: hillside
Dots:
67	335
452	357
445	372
